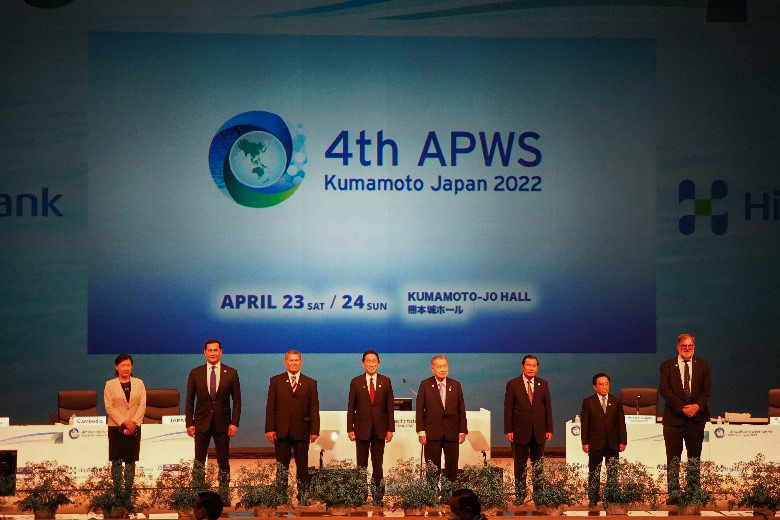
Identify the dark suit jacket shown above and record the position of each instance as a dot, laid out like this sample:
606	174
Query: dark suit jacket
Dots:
362	415
599	429
521	418
437	421
671	388
201	414
296	415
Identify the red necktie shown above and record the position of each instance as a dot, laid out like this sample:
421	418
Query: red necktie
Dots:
371	391
530	393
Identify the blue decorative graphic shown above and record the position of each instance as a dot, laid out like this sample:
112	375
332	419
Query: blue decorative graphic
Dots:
703	207
254	161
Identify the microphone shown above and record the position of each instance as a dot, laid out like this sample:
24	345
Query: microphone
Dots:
322	454
637	404
409	387
484	458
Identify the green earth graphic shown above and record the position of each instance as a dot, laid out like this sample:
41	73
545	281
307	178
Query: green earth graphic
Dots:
257	159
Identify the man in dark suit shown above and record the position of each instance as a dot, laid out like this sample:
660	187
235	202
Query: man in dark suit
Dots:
686	387
528	423
441	418
370	417
210	389
292	417
603	431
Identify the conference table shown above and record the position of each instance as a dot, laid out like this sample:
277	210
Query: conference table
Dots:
85	446
724	444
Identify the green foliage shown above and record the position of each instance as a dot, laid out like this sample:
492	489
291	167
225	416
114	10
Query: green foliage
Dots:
377	493
630	483
759	484
7	485
45	486
704	481
340	483
488	483
178	489
410	488
557	483
445	486
263	485
104	496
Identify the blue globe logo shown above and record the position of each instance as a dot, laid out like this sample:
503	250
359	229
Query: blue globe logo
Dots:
255	160
258	159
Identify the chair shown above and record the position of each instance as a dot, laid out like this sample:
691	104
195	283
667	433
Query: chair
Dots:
160	402
81	403
774	402
647	401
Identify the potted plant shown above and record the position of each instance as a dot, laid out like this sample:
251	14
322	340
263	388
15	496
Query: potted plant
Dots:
341	485
758	486
488	483
178	488
7	489
377	494
412	487
556	484
445	487
704	482
263	487
102	495
628	483
44	486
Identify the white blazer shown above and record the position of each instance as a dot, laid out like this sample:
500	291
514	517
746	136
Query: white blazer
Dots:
118	408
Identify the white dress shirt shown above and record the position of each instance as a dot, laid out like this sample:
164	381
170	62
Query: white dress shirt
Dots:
681	366
216	372
525	384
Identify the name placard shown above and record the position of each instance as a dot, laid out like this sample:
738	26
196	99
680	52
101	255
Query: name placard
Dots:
5	421
640	419
173	419
88	421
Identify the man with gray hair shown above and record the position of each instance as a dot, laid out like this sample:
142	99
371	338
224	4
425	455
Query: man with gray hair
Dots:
686	386
441	418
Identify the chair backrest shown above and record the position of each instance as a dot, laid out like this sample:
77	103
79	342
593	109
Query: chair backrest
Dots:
81	403
160	402
648	401
774	402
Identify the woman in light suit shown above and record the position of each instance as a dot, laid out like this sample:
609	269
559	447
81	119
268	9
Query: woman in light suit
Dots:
125	401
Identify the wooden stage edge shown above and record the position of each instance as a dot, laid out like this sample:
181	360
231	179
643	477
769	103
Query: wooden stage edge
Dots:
7	514
399	515
9	511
